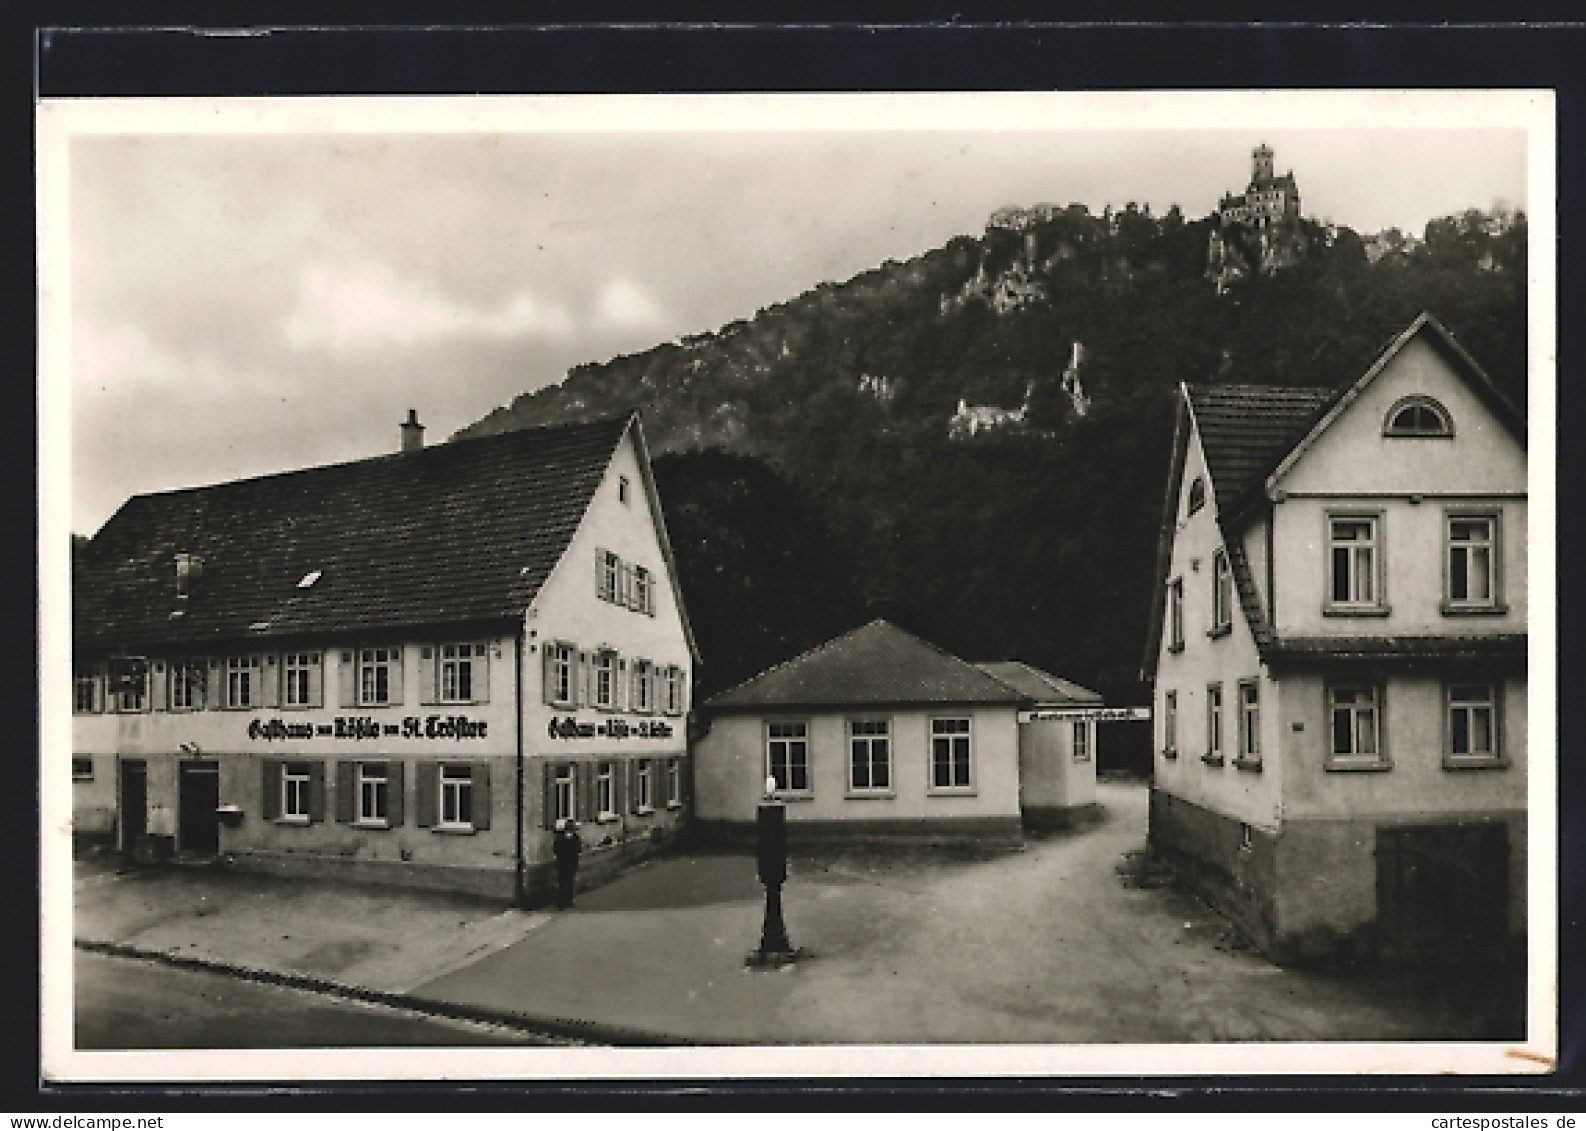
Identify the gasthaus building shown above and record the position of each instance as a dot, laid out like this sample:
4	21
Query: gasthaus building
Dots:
402	669
878	735
1339	658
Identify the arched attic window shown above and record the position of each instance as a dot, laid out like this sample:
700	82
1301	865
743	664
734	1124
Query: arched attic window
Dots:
1197	495
1418	416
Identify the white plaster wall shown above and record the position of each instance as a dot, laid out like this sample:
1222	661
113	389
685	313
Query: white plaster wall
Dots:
569	609
1240	794
1414	719
730	768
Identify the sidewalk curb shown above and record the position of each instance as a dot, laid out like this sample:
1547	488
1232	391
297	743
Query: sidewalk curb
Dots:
564	1028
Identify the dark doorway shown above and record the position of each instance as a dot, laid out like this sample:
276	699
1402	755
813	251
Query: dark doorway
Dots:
198	828
1443	891
134	804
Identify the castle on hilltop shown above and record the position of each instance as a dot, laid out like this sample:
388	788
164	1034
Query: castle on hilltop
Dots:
1266	199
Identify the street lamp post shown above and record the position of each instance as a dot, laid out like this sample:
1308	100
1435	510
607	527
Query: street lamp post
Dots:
771	852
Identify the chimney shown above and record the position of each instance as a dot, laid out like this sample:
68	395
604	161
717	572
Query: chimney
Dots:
412	432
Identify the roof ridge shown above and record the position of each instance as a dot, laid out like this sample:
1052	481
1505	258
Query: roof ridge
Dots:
445	446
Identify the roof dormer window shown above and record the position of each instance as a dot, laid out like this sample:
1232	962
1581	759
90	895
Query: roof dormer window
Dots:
1197	495
1418	416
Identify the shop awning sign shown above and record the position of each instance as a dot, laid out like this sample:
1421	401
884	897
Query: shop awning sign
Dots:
1087	714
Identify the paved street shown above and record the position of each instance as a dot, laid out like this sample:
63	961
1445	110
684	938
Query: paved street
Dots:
1048	945
131	1004
1066	941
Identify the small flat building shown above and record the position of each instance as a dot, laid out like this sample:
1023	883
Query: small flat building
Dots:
1057	746
402	669
878	734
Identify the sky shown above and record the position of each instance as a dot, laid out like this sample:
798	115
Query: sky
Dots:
256	290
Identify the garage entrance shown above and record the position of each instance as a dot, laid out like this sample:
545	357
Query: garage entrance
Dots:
198	796
1443	891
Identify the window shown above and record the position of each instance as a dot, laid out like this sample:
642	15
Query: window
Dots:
622	488
1418	416
374	785
788	756
625	585
1472	724
1175	614
610	569
643	798
1197	495
674	782
82	769
605	679
674	690
1472	563
242	682
563	792
129	683
950	754
375	681
1214	724
605	792
1082	740
86	692
457	797
1353	562
643	686
643	590
1250	724
186	685
1222	593
460	666
1356	726
294	792
559	686
870	755
1170	724
302	675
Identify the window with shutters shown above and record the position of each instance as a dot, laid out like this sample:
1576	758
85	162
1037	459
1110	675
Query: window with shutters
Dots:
185	688
128	687
643	591
870	756
457	797
295	783
302	679
674	690
674	783
242	682
87	691
564	792
373	783
788	756
560	671
377	678
610	569
643	796
461	669
1222	594
643	686
605	679
951	756
605	792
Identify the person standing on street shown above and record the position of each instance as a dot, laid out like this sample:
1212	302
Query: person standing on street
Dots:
566	848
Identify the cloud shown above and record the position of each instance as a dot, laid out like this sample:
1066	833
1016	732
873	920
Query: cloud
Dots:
625	305
365	309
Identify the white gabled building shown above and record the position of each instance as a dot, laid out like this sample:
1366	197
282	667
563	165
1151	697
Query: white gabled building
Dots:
400	669
1339	657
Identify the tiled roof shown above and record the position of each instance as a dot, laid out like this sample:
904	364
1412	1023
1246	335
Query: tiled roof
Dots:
1246	429
877	664
461	532
1042	688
